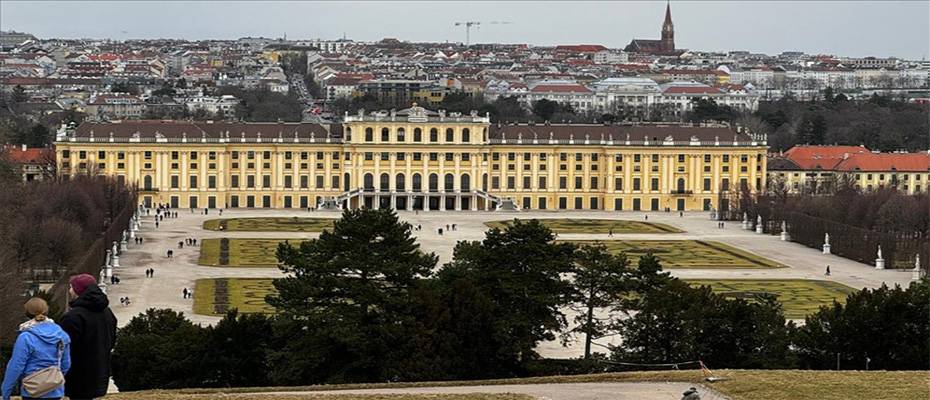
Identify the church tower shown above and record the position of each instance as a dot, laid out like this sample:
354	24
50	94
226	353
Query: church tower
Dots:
668	30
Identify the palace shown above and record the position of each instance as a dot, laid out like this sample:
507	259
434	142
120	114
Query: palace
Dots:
416	159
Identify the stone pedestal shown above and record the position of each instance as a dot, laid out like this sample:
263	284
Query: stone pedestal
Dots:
758	228
115	261
123	245
879	263
826	248
784	236
916	274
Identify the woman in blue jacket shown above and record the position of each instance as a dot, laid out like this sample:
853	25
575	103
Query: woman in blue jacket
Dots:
36	348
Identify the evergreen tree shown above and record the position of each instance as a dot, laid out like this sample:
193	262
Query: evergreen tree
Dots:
349	290
520	270
600	282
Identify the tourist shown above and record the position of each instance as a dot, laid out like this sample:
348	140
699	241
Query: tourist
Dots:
184	293
440	231
828	270
180	245
206	211
170	253
194	241
156	224
221	212
151	272
41	344
646	217
681	214
92	328
453	227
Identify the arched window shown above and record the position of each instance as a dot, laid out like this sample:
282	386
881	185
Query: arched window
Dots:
400	183
450	135
433	183
385	183
385	135
347	181
433	135
449	182
369	135
401	135
147	182
417	183
681	185
369	182
348	134
417	135
465	183
484	182
466	135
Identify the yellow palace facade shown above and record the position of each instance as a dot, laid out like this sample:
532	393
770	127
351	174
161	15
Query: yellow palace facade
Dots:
416	159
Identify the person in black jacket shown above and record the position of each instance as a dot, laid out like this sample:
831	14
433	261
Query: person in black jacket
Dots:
92	328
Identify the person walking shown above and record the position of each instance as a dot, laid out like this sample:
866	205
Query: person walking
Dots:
42	351
184	293
92	328
828	270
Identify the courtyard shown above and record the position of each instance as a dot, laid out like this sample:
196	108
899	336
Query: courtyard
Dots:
247	253
253	234
799	297
269	224
685	253
588	225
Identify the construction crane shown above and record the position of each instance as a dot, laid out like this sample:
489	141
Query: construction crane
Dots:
476	24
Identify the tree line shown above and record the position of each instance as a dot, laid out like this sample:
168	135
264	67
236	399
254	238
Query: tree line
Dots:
363	303
46	231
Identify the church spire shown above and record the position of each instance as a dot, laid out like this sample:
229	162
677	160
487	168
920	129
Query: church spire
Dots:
668	30
668	13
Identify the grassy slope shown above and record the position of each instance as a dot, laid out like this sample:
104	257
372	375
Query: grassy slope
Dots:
738	385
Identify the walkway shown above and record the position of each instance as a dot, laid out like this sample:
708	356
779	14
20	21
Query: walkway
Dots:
172	275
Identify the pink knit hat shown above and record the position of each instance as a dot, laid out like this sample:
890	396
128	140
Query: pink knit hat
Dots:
81	282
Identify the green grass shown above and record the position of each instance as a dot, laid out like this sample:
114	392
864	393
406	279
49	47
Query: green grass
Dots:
270	224
599	226
248	253
799	297
686	253
736	384
245	294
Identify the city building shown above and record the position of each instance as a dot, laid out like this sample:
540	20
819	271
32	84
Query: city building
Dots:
422	160
819	169
104	106
33	164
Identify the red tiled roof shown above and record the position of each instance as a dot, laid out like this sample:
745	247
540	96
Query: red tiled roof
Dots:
901	162
582	48
692	90
35	155
821	157
560	89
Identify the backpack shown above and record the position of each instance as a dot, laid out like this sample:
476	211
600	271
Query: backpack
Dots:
45	380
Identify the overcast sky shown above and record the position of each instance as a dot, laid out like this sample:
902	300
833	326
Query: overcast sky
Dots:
851	28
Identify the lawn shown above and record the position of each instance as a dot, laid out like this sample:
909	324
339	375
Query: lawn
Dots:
686	253
736	384
249	253
602	226
216	296
799	297
269	224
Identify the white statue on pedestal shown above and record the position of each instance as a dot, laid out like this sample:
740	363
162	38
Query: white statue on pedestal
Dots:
758	224
916	271
784	231
826	243
879	262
